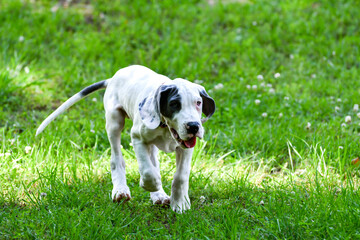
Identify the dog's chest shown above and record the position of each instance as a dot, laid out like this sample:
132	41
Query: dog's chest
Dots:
164	141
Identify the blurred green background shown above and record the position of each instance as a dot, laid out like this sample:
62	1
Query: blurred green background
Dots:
285	78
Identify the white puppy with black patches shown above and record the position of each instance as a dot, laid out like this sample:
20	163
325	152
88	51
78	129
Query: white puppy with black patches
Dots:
166	115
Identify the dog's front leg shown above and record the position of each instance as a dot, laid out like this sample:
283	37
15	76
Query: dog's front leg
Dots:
179	200
158	197
150	178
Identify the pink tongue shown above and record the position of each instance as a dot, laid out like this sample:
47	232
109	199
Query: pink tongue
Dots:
190	143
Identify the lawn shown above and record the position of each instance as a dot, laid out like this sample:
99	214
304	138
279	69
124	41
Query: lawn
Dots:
278	159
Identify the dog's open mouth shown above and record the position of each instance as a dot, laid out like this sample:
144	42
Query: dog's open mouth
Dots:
190	143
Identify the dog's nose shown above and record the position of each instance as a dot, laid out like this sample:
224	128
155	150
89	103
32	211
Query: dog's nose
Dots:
192	127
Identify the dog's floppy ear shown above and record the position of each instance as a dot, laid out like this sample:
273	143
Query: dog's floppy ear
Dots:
149	111
208	104
150	108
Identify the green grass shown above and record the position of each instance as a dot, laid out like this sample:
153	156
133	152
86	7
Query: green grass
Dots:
262	177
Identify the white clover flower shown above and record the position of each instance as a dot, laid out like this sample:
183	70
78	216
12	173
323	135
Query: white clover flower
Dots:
248	86
260	77
55	8
338	100
269	85
358	115
262	84
281	115
313	75
218	86
27	70
337	108
343	125
254	23
21	38
5	154
262	203
257	101
286	98
341	147
264	115
356	107
197	81
348	119
277	75
94	99
333	53
254	87
28	149
92	130
271	90
202	199
308	126
291	56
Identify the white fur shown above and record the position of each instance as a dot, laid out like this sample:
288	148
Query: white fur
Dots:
125	90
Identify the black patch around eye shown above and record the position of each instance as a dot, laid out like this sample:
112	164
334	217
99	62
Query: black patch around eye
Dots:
170	101
175	104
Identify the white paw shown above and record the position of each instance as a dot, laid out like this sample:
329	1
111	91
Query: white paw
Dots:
160	198
180	205
150	181
121	193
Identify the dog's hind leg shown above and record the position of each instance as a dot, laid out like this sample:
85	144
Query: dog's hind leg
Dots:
115	120
158	197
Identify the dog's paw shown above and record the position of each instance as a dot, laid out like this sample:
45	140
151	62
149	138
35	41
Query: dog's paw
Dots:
120	194
180	205
150	181
160	198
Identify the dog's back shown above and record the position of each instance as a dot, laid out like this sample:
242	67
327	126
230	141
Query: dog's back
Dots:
127	88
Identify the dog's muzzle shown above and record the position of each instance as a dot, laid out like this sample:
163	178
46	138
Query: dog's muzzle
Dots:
192	129
190	143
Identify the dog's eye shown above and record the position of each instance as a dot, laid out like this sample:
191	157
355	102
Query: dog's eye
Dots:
198	103
174	104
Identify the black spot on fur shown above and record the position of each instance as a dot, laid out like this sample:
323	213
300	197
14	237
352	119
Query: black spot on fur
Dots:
170	100
93	88
142	104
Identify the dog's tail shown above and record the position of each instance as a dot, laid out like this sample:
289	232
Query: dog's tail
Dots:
71	101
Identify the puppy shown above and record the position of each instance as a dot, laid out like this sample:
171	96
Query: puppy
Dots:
166	115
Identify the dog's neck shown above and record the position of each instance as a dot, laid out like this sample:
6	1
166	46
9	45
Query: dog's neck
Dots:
162	125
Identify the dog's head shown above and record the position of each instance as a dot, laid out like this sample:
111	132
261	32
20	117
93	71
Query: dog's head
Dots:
180	105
